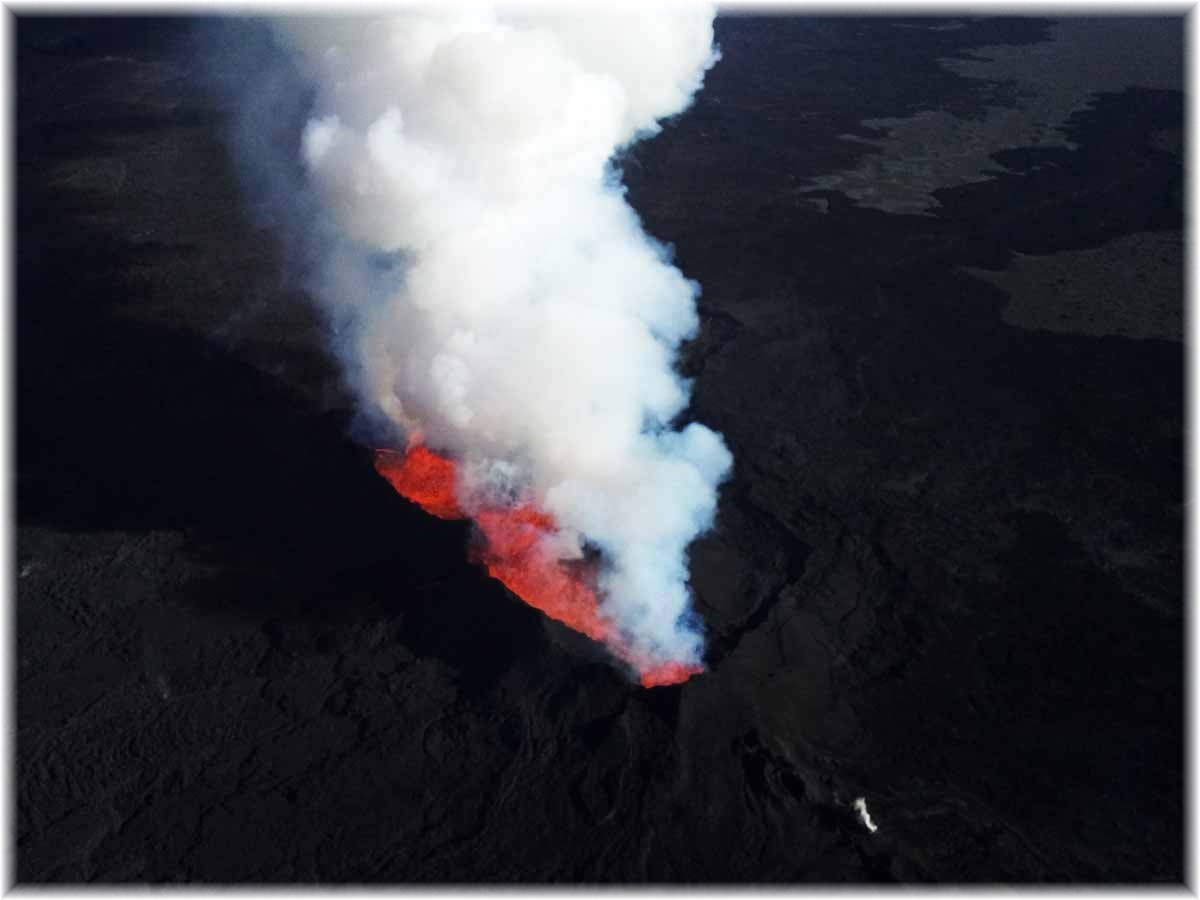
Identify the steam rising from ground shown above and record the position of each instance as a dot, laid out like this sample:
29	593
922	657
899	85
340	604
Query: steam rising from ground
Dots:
492	294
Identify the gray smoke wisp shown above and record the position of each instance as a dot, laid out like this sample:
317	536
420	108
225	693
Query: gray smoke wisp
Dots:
490	293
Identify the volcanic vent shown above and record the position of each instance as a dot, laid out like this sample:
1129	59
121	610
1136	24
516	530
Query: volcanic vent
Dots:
493	298
514	553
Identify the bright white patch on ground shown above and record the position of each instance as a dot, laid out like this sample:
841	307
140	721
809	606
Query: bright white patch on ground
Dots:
864	816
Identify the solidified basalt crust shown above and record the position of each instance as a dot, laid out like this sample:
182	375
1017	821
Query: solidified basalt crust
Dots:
946	576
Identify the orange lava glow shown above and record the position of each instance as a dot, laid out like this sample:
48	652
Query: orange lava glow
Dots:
513	554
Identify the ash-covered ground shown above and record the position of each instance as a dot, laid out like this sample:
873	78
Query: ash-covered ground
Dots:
941	262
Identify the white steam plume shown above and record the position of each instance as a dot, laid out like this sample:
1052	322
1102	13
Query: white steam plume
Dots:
493	293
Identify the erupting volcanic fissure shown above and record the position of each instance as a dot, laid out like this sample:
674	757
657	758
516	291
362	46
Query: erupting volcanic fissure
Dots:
498	310
514	554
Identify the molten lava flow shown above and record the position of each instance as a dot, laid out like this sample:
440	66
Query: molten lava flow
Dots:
515	555
423	477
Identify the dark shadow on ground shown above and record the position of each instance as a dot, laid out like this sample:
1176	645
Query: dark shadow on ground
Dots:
122	425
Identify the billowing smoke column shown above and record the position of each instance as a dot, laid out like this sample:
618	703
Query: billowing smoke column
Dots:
499	309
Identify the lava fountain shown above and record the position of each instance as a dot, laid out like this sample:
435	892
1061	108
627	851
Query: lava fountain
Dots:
514	554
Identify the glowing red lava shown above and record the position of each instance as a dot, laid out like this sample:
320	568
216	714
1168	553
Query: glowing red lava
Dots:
513	554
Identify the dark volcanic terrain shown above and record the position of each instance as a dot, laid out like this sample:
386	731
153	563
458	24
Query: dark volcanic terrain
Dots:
947	576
